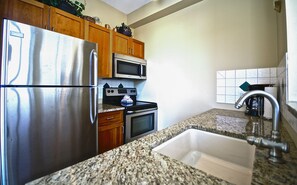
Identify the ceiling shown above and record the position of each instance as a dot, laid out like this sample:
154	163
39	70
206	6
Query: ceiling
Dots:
127	6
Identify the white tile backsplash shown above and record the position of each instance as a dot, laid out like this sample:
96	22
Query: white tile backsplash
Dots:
230	99
230	91
221	90
282	92
273	80
228	81
273	72
239	92
251	73
240	73
264	72
221	74
239	81
263	80
230	74
221	99
221	83
252	80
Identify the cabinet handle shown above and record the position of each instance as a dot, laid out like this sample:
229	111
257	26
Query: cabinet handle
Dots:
45	27
123	130
53	29
109	118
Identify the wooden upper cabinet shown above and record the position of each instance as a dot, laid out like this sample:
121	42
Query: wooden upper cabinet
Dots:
66	23
128	46
29	12
40	15
102	37
120	44
4	9
137	48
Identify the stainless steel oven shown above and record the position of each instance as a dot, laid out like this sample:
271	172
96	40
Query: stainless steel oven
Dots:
140	123
141	117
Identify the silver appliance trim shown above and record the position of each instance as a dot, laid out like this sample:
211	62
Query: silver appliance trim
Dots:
115	92
93	67
142	110
129	59
49	102
129	117
36	57
3	154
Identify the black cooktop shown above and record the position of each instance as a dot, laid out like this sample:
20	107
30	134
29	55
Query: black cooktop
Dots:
114	96
140	105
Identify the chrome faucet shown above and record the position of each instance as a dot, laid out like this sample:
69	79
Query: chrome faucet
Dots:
276	147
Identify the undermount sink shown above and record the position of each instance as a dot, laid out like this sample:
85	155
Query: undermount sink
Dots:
225	157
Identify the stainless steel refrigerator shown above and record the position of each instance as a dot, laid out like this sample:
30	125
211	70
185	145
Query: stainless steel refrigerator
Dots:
48	102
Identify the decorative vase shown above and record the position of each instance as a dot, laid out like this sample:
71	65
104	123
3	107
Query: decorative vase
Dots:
64	5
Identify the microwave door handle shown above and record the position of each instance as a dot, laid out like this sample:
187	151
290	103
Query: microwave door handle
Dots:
140	70
143	72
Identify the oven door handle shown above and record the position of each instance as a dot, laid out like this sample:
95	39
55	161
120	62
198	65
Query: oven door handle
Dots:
143	110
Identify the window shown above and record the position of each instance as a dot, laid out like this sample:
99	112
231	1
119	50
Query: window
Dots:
291	13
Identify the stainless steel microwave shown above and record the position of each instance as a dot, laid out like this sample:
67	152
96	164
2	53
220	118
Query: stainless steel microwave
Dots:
125	66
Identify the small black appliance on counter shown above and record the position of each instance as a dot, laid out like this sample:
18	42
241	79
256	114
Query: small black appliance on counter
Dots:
255	104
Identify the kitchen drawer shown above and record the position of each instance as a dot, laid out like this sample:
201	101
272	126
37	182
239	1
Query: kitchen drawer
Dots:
110	117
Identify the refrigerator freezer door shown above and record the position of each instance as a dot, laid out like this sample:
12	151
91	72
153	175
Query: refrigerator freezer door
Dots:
37	57
45	130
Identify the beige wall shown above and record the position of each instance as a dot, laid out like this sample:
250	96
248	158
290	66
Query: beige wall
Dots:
185	49
106	13
281	31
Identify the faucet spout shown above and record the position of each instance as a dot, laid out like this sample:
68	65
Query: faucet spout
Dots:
275	114
276	147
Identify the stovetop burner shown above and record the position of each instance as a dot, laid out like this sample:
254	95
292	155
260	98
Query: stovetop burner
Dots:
113	96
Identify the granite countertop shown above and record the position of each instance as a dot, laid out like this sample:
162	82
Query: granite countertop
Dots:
136	163
109	108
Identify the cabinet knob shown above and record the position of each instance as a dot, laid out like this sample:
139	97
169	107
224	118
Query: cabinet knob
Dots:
109	118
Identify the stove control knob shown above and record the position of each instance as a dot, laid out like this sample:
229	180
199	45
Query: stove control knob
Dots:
112	91
108	91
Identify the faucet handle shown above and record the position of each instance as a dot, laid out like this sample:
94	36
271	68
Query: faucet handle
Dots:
267	143
285	147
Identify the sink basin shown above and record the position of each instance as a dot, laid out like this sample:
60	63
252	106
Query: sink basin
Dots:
225	157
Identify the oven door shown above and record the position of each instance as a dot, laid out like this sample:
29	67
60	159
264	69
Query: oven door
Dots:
140	123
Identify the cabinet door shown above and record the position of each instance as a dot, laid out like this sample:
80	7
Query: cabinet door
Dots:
101	36
120	43
4	10
137	48
66	23
110	137
29	12
110	130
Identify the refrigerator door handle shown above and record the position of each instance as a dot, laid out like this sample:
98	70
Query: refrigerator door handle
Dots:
93	82
93	68
93	105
